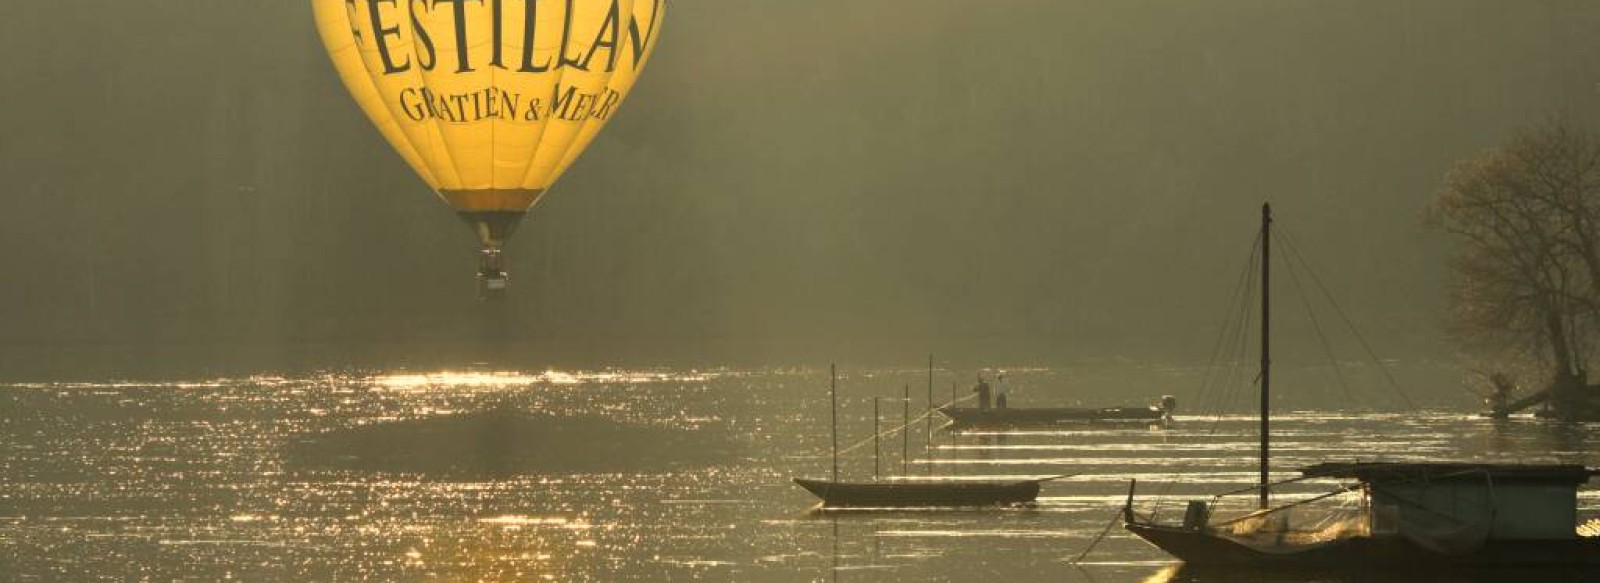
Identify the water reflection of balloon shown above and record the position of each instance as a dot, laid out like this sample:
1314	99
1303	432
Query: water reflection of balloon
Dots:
490	101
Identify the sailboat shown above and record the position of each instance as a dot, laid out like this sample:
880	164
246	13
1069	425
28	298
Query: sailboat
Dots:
1411	514
912	494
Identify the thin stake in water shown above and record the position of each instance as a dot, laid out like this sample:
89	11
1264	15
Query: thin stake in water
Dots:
833	410
875	433
905	431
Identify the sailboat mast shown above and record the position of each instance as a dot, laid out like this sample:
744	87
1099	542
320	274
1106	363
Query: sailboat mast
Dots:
1266	347
833	410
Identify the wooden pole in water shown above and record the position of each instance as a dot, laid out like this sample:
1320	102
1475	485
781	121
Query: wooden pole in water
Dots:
927	443
875	447
833	408
1266	347
905	431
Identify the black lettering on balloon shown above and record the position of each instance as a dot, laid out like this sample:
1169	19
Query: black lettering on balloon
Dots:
382	34
566	38
419	104
431	58
508	104
463	59
569	105
613	97
585	106
561	107
613	25
413	107
529	24
350	9
435	103
640	45
499	33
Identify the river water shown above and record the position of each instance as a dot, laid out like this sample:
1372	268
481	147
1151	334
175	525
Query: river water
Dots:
620	476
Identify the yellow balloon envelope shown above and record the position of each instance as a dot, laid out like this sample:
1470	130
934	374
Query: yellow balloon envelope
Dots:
489	101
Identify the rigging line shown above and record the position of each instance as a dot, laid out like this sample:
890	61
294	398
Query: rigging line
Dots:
1316	325
1235	379
1231	327
1226	378
1229	338
1260	513
1233	376
1294	250
897	429
1232	336
1254	487
1236	376
1115	517
1232	380
1240	367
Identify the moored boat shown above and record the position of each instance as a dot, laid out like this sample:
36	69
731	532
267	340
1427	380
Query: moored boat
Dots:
903	493
1045	416
1410	515
906	494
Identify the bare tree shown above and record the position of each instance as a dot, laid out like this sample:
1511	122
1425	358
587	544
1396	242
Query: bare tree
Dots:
1528	273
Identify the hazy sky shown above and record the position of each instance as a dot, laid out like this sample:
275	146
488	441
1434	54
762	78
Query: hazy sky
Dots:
189	188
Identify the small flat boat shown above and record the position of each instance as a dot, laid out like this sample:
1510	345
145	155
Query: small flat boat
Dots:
921	494
1045	416
836	493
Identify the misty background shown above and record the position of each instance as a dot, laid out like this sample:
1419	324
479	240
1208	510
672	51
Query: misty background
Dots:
189	190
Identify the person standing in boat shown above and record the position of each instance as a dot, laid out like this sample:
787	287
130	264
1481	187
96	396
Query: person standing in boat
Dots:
984	393
1001	389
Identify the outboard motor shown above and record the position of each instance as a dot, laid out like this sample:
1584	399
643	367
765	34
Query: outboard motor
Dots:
1198	513
1169	405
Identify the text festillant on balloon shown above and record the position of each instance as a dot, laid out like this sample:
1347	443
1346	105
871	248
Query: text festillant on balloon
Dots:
431	31
490	101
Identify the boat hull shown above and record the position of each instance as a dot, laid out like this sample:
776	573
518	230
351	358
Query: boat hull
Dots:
1203	550
1043	416
921	494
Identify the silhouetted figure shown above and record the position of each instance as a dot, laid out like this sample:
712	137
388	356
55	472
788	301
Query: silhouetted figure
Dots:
1002	388
984	393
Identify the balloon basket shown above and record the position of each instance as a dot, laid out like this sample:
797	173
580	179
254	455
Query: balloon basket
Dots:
492	277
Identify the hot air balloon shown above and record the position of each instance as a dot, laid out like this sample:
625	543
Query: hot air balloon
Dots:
490	101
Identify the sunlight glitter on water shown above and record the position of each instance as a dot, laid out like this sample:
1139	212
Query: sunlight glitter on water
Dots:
200	479
512	379
513	520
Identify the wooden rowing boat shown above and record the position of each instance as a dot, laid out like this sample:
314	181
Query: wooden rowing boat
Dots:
921	494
